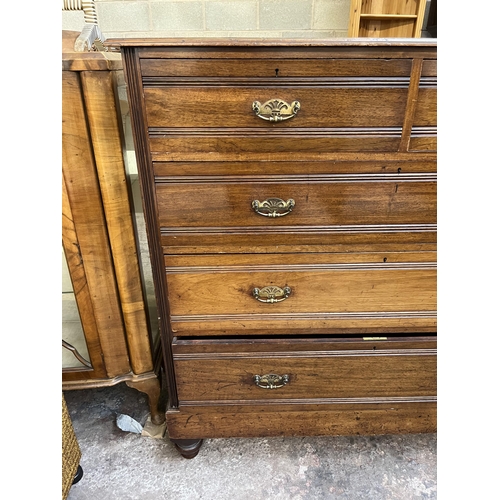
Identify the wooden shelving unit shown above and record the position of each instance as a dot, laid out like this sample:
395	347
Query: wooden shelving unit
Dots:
386	18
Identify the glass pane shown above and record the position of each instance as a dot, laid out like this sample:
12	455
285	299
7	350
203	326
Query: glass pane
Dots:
72	331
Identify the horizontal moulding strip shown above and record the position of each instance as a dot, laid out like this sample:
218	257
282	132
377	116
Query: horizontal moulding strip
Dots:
308	316
290	179
312	401
281	82
395	228
278	132
307	354
304	267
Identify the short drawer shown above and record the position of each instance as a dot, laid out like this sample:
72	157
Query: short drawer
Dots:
303	371
320	293
426	109
249	202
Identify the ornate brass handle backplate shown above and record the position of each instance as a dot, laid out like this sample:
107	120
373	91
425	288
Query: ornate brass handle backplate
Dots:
272	294
270	381
275	110
273	207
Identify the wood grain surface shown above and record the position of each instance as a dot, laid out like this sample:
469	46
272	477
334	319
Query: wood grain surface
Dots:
337	203
323	372
357	250
103	116
219	421
82	186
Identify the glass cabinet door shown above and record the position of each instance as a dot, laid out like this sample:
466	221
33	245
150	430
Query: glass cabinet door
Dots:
74	346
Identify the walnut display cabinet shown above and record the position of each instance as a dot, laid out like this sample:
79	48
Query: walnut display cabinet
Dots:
112	341
289	190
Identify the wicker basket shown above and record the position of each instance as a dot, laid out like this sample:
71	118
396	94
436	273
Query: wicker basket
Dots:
71	453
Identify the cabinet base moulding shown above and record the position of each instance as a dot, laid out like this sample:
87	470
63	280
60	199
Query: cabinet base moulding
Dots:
200	422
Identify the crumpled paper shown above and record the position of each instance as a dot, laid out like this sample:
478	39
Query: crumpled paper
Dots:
128	424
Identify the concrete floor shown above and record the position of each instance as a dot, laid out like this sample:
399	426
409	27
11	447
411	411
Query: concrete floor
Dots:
121	465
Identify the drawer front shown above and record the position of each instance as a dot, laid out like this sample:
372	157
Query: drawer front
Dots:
371	166
269	143
347	288
266	203
232	107
281	68
279	297
426	109
375	371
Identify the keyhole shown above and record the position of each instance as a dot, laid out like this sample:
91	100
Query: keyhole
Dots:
277	70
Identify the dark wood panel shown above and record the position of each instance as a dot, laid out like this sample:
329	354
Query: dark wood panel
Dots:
316	240
345	154
146	179
229	204
277	48
423	143
250	261
313	374
303	325
286	169
232	107
195	422
315	292
265	68
249	146
429	67
184	348
426	110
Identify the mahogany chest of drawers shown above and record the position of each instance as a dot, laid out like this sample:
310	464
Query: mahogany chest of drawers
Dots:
289	191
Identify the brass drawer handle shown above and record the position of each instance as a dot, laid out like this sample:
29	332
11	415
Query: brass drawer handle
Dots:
273	207
272	294
270	381
275	110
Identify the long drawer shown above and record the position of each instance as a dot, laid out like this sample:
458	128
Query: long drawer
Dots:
339	201
302	371
315	292
320	107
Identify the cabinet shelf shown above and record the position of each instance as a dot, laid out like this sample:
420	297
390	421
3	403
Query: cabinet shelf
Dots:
386	18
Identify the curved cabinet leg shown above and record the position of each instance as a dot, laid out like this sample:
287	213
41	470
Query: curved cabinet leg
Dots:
188	448
151	387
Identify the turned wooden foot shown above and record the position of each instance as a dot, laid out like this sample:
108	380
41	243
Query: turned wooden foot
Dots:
151	387
188	448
